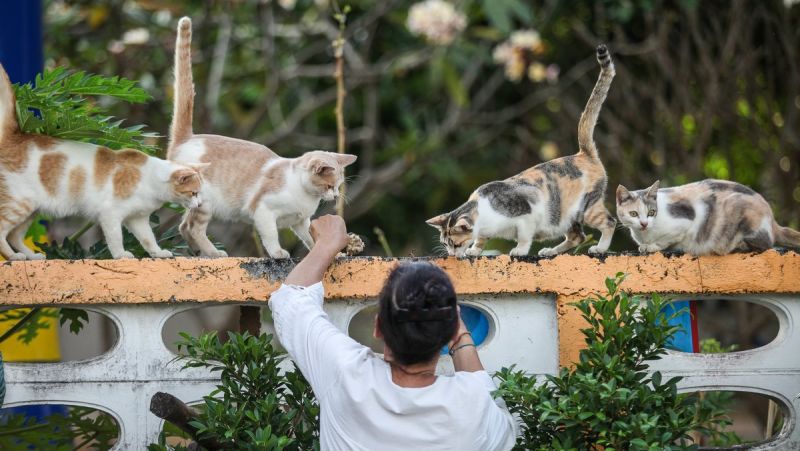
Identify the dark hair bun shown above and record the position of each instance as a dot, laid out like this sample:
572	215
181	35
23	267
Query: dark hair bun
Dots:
418	313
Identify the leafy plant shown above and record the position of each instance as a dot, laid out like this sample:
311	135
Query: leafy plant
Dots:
69	248
79	428
30	321
55	104
610	400
256	405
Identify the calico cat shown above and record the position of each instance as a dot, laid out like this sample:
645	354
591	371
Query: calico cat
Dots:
708	217
548	200
63	178
246	181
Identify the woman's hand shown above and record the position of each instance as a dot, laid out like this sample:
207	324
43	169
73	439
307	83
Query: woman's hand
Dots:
330	236
330	232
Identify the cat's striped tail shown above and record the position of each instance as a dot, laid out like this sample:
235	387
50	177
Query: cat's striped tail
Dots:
784	236
183	103
8	107
592	110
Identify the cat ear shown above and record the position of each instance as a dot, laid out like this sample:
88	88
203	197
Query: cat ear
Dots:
182	176
462	225
653	190
437	221
623	194
345	159
321	167
200	167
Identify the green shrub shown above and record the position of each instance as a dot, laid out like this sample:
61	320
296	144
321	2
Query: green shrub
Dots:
610	400
256	406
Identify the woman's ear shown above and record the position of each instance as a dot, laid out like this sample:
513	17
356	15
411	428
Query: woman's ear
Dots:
376	331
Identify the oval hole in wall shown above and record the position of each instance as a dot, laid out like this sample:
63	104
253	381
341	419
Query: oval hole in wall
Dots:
749	414
725	325
48	426
362	324
196	321
54	342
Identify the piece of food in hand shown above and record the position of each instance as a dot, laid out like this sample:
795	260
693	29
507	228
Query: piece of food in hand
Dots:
355	245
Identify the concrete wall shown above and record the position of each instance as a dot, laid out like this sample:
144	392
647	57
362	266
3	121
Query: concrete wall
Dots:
526	300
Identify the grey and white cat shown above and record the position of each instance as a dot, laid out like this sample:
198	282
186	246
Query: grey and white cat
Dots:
552	199
714	217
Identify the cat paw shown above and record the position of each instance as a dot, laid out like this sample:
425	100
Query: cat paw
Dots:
547	252
597	250
279	254
37	257
161	253
520	251
473	252
123	255
218	253
17	256
648	248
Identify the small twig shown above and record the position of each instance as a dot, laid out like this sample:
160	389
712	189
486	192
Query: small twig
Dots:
24	429
338	52
16	327
384	242
79	233
218	66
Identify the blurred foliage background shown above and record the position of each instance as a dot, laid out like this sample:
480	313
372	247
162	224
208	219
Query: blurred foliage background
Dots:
703	89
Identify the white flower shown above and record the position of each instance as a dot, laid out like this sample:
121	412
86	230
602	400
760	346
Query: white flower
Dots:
137	36
517	55
552	73
288	5
537	72
528	39
435	20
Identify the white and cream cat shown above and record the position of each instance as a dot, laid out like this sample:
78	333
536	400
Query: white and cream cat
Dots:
65	178
551	199
708	217
246	181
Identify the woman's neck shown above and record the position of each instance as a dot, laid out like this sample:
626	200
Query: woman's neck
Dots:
411	376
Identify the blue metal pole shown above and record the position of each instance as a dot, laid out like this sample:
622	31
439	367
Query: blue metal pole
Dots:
21	39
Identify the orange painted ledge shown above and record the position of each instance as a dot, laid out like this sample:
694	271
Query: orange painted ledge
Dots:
248	280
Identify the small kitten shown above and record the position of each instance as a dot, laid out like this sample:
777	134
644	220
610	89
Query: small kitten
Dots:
246	181
550	199
64	178
708	217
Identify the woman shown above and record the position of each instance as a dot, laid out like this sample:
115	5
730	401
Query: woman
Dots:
396	402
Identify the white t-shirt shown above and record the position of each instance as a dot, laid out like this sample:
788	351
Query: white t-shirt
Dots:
361	408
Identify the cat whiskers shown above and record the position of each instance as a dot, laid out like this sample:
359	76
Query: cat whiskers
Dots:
439	249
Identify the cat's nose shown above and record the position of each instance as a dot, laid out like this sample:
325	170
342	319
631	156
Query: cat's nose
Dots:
643	224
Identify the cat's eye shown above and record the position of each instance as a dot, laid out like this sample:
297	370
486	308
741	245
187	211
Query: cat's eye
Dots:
651	213
634	214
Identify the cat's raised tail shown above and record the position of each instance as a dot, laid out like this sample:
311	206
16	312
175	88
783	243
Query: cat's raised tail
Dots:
595	102
183	103
8	107
784	236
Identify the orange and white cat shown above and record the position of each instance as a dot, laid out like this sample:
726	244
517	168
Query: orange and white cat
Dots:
246	181
64	178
